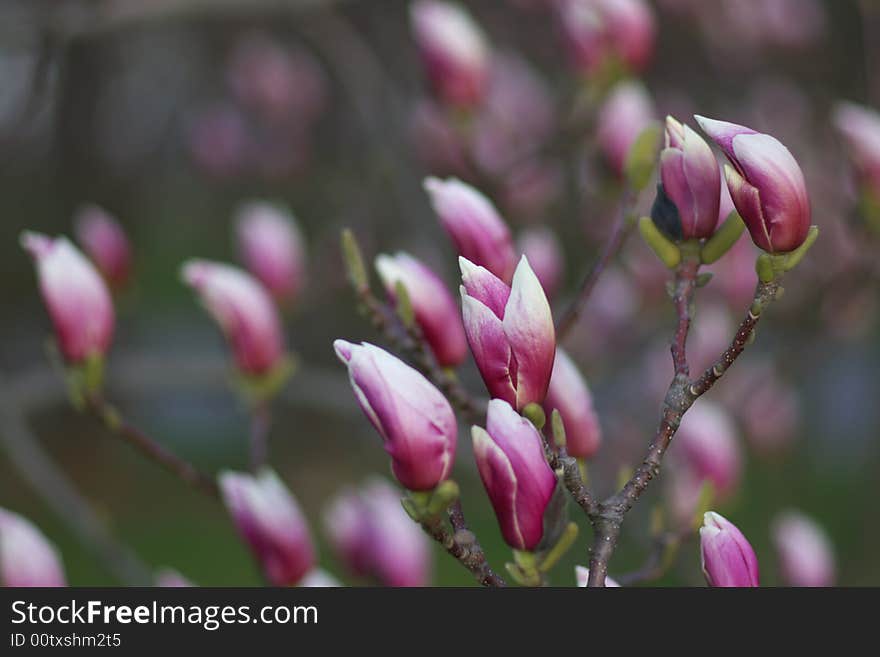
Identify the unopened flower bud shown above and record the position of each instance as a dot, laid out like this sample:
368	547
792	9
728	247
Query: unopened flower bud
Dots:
569	394
728	558
806	557
626	112
104	241
26	556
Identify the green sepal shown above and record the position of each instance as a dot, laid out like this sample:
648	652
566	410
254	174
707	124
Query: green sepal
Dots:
548	559
535	414
724	238
771	266
258	389
354	261
84	379
426	505
558	428
404	307
642	157
662	246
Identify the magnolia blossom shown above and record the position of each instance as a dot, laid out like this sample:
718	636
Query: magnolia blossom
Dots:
105	242
569	394
708	446
26	556
806	557
859	127
728	558
627	110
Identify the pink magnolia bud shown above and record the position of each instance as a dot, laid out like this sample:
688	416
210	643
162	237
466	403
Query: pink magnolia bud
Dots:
319	579
765	183
245	312
169	578
104	241
860	129
510	331
414	419
26	557
689	194
473	223
374	536
435	309
806	557
453	49
272	248
627	111
569	394
728	559
270	521
75	295
518	480
541	247
582	575
707	444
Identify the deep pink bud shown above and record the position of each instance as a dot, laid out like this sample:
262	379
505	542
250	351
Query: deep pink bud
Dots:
272	248
414	419
453	50
518	480
75	295
541	247
374	536
244	310
436	311
569	394
510	332
26	556
582	575
728	559
690	181
473	223
104	241
627	111
708	446
765	183
860	128
806	557
270	521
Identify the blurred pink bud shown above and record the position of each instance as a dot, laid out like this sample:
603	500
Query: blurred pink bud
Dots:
510	332
26	556
728	558
771	414
529	188
169	578
510	457
435	309
690	181
765	183
75	295
544	253
374	536
582	575
860	129
319	579
709	447
473	223
569	394
415	420
270	521
627	111
245	312
806	557
272	248
454	51
104	241
220	142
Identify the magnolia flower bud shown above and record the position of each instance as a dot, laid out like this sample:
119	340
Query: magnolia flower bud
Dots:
569	394
510	332
453	49
510	458
104	241
582	575
806	557
728	559
270	521
436	312
415	420
765	183
707	444
627	110
374	536
544	254
860	128
272	248
244	311
689	194
473	223
75	295
26	557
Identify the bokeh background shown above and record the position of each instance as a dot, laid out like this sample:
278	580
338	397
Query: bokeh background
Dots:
142	107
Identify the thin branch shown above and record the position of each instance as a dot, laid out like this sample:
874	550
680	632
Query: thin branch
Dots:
261	422
659	559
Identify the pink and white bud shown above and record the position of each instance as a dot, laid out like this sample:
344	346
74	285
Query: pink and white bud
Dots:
270	521
75	295
105	242
766	184
319	579
541	248
582	575
570	395
627	111
272	248
728	558
510	458
245	312
510	332
436	311
690	183
477	230
27	558
708	446
168	578
415	420
859	127
454	51
806	557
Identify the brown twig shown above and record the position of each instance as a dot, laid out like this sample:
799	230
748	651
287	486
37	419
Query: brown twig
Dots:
261	422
